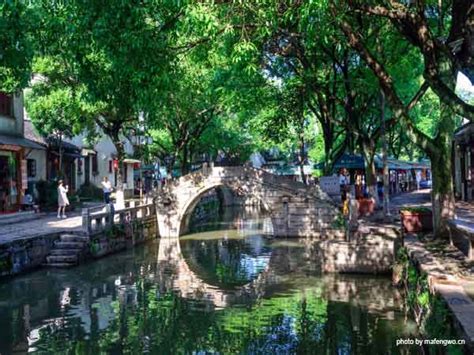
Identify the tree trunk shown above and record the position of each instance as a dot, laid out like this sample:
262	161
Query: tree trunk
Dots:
60	151
328	138
370	173
119	193
184	161
441	161
301	159
386	177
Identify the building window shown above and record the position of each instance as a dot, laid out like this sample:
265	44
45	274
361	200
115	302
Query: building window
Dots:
95	167
79	166
6	105
31	168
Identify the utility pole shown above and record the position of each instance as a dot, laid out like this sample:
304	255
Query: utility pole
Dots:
386	200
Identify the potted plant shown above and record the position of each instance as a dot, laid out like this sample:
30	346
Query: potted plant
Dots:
416	219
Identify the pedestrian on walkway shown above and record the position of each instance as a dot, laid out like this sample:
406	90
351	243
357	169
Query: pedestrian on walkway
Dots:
343	184
63	201
107	189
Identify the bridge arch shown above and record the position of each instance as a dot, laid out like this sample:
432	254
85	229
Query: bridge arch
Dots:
184	215
295	209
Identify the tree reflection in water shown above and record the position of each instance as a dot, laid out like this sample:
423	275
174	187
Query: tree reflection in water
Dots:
205	294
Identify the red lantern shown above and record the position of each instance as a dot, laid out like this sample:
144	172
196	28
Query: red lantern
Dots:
116	164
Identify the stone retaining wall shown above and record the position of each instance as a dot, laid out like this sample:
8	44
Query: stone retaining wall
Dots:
447	285
346	257
25	254
117	239
373	251
462	237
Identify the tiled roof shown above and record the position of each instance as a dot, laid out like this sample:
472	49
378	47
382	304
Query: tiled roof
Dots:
32	134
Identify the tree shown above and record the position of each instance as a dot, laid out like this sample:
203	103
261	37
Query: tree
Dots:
421	25
290	120
185	111
16	47
113	57
50	112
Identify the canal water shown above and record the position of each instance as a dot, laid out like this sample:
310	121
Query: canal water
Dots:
227	291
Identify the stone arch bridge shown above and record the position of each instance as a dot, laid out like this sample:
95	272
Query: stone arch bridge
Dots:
296	210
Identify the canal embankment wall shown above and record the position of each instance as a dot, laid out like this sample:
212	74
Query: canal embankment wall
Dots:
22	255
371	250
100	236
443	282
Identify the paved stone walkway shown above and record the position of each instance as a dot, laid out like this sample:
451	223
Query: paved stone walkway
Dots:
447	284
410	199
41	226
465	213
464	210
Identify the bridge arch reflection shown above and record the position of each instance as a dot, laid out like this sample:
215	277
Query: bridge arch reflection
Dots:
176	273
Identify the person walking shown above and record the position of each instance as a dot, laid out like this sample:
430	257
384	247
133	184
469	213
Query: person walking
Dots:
343	184
107	189
63	201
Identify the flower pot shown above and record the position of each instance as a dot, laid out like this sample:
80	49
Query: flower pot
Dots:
366	206
416	221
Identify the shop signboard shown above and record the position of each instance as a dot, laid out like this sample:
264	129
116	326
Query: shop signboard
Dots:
330	184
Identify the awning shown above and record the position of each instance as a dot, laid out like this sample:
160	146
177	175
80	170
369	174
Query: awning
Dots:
352	161
131	161
87	151
67	153
20	141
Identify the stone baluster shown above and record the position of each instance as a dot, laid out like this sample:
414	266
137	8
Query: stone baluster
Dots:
86	221
110	216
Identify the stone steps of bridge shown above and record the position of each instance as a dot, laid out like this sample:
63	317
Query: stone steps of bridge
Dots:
62	259
68	245
67	250
60	265
56	252
74	238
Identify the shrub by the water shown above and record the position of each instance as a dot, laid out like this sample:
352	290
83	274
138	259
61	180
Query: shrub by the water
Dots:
47	193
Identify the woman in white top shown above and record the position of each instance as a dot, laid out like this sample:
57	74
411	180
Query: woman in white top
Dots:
63	201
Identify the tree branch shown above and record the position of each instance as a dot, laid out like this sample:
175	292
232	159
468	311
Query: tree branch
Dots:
385	82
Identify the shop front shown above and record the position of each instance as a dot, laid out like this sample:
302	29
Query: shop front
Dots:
62	162
13	171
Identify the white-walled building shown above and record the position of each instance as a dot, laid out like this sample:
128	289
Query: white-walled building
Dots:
100	160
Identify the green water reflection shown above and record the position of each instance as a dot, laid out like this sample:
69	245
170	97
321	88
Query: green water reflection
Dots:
231	291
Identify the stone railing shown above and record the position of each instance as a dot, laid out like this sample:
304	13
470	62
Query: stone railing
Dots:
100	218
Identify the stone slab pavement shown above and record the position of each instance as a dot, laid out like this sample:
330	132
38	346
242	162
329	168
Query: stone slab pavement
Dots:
410	199
464	210
44	224
446	284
